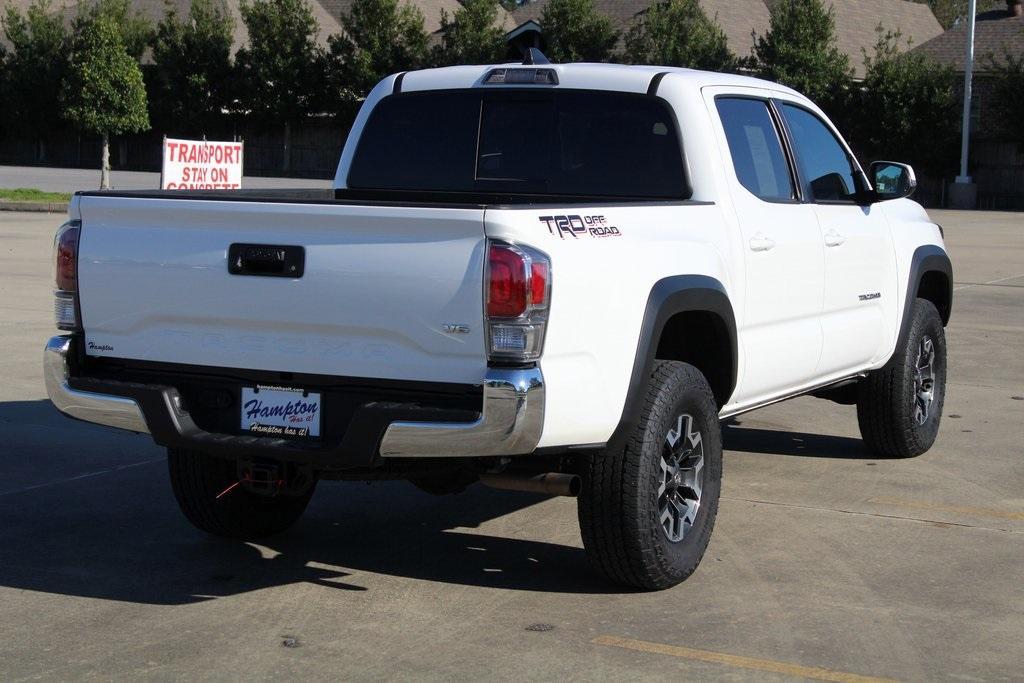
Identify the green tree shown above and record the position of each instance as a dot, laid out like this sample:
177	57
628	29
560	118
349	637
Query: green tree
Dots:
472	35
905	109
800	51
574	31
135	29
35	68
1008	95
281	68
191	84
103	92
381	37
678	33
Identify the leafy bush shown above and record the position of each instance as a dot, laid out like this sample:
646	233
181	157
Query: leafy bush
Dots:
35	69
1008	95
192	71
280	68
575	31
678	33
905	109
800	51
381	37
135	29
472	35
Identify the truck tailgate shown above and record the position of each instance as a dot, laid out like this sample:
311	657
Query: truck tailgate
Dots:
380	285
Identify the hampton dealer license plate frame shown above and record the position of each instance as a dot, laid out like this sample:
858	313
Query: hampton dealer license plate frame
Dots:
285	412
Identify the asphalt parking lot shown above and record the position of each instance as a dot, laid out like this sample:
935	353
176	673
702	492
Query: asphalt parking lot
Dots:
826	562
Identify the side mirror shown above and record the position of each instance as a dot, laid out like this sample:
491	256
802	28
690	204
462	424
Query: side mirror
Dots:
892	180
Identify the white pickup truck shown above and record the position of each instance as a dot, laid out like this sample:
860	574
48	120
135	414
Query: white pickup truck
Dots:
555	278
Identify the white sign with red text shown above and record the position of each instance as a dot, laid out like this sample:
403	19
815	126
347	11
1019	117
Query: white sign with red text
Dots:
201	165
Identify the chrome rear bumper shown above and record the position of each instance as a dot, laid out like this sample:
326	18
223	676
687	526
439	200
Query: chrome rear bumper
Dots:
510	422
112	411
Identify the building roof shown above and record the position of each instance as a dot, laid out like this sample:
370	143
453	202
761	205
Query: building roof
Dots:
856	21
739	21
995	35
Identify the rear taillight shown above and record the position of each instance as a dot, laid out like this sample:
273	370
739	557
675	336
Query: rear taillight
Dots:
518	299
65	256
507	294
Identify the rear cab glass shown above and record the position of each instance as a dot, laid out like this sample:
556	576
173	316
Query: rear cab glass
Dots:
518	142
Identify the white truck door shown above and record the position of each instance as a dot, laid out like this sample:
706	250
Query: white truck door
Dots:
780	331
860	269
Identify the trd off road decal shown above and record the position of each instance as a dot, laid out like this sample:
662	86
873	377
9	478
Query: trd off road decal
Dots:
580	226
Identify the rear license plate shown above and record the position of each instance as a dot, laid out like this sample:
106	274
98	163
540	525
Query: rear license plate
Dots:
280	411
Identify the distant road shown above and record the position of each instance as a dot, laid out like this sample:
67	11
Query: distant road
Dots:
72	179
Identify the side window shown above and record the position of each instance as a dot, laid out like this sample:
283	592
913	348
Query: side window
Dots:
822	159
755	148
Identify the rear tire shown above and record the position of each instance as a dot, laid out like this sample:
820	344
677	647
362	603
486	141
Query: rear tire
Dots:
899	407
197	478
647	509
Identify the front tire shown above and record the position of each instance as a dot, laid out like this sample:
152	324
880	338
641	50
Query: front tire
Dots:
647	509
197	478
899	407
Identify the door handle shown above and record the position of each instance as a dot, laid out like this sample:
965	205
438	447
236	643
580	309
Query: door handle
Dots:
761	243
833	239
267	260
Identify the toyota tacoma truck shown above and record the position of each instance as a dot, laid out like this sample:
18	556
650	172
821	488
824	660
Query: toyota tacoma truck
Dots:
552	278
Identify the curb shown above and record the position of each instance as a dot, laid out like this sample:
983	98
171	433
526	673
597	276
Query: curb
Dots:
38	207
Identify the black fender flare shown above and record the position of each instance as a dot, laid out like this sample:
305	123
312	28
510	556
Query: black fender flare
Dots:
926	259
671	296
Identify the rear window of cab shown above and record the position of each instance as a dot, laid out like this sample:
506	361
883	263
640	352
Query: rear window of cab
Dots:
553	142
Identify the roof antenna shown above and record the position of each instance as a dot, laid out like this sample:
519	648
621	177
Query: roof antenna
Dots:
532	55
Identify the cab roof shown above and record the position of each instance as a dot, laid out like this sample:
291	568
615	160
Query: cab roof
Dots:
582	76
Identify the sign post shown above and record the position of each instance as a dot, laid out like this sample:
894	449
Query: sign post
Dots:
201	165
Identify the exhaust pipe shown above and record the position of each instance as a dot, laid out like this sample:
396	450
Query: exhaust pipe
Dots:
551	483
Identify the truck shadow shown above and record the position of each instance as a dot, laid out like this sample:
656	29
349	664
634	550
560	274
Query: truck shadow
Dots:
736	437
89	512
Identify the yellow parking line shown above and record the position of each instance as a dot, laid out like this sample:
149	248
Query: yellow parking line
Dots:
957	509
784	668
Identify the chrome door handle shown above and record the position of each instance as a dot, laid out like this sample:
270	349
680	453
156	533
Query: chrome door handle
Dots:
833	239
761	243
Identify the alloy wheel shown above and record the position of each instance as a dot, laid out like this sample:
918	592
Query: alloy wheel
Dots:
682	479
924	380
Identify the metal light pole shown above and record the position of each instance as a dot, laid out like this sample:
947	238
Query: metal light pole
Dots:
966	196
